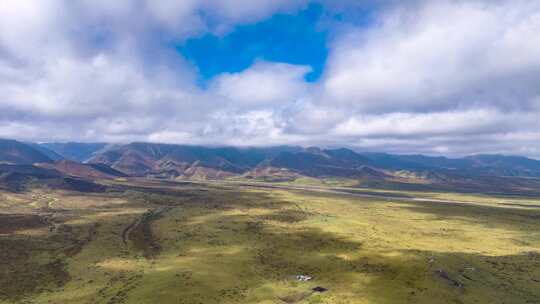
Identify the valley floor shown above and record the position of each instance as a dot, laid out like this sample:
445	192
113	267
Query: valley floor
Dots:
172	242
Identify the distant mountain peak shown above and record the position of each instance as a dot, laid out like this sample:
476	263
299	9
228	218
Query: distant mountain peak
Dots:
18	153
154	159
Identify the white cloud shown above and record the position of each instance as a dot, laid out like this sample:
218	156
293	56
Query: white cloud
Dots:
422	124
270	84
441	76
28	26
249	10
179	16
90	70
103	85
443	54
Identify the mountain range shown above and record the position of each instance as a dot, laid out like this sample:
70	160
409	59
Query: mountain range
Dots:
280	163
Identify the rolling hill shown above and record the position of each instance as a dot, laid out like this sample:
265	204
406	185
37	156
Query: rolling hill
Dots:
17	178
72	150
17	153
282	163
76	169
140	159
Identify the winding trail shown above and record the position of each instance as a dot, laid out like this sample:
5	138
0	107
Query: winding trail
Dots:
142	225
129	228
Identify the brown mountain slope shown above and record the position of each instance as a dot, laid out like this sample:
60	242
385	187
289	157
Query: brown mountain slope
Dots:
72	168
17	153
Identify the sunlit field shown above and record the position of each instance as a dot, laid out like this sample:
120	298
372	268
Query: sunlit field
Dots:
152	242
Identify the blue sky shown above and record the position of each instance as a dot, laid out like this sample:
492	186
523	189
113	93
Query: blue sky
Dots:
299	37
434	77
295	38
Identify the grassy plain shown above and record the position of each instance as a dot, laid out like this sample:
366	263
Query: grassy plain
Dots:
165	242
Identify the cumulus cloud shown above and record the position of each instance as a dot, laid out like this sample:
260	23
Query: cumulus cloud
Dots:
446	76
442	55
460	69
264	83
462	123
89	70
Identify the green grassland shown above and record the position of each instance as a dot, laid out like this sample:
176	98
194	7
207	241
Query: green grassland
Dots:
156	242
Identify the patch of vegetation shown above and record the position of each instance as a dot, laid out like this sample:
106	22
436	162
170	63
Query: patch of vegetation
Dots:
141	235
22	273
227	243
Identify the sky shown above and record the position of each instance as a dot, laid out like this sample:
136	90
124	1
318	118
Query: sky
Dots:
449	77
